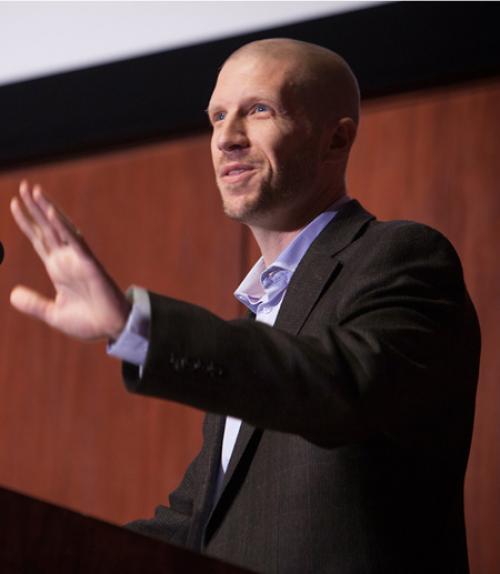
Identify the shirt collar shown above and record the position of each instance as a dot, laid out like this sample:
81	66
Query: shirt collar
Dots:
263	285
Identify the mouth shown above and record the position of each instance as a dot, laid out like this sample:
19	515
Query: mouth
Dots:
236	171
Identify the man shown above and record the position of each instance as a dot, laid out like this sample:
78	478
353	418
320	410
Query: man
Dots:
356	381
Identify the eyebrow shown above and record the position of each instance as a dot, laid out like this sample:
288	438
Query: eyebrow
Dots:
208	110
252	100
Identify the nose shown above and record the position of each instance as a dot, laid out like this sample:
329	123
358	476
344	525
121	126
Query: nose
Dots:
231	134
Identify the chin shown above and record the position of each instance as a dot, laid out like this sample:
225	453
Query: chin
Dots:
249	205
237	212
239	207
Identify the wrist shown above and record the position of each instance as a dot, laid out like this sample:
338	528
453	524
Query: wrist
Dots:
121	319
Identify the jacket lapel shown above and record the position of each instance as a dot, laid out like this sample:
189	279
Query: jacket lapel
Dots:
246	443
317	268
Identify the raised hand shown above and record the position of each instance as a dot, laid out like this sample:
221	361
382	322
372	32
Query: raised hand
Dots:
87	304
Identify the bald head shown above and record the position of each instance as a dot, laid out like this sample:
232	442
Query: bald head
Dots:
321	76
284	116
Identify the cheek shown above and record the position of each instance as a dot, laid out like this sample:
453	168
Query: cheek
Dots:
269	139
275	145
215	155
288	151
213	148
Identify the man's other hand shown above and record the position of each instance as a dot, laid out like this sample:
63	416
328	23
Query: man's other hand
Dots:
87	304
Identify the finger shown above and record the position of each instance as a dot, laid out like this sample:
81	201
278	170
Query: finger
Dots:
46	207
58	229
31	303
27	227
25	224
61	224
68	233
46	232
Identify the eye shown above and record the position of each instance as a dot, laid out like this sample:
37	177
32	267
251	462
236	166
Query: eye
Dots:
218	116
259	108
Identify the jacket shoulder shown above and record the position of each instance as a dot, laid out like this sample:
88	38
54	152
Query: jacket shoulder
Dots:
409	238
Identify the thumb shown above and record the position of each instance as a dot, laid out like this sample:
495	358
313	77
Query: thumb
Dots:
30	302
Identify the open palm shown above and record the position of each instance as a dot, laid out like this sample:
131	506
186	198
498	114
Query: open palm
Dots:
87	304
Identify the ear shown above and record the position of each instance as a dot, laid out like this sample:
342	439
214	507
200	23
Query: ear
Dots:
342	137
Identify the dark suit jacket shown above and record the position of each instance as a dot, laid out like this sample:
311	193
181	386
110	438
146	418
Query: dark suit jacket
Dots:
358	409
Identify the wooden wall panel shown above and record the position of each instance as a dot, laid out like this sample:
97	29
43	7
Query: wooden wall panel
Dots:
70	433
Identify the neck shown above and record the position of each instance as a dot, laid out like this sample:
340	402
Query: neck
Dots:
272	243
273	237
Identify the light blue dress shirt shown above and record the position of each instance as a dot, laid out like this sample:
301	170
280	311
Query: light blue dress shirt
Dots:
262	291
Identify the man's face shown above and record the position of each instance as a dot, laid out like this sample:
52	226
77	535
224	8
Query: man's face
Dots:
264	148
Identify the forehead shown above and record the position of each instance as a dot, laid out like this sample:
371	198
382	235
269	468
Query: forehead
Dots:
251	76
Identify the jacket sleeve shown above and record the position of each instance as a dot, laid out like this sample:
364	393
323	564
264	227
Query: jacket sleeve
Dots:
390	348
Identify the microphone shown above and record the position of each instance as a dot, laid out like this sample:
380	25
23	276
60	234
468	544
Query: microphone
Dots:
1	253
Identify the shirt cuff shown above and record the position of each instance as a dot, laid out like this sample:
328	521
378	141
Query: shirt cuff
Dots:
133	343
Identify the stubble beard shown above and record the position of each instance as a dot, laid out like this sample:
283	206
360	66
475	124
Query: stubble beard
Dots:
269	199
248	209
